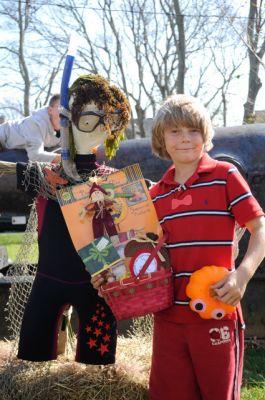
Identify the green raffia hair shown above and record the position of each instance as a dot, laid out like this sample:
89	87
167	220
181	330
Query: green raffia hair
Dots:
108	98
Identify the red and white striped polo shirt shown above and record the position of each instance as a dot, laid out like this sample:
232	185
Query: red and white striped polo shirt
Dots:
199	217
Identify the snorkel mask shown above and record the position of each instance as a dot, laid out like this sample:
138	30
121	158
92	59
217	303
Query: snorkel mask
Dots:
109	115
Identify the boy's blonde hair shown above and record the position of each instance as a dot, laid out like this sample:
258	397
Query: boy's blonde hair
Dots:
180	110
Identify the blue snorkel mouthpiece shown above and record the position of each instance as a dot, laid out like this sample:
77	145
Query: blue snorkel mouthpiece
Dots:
68	165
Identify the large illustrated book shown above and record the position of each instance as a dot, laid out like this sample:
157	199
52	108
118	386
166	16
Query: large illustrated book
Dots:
128	202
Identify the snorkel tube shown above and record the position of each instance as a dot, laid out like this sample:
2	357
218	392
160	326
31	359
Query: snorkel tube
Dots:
68	164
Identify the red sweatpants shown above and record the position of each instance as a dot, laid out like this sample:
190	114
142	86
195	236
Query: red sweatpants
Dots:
201	361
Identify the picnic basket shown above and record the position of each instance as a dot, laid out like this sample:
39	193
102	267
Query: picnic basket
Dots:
143	294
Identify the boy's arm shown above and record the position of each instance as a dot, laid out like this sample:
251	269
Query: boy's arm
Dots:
36	152
34	134
231	289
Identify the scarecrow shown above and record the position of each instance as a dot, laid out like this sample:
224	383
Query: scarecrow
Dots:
97	113
101	208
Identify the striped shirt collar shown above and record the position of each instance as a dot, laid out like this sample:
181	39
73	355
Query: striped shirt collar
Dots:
206	164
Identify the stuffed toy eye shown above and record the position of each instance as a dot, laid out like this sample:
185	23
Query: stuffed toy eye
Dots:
218	313
198	305
198	290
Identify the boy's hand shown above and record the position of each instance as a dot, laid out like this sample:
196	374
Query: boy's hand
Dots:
97	281
231	289
57	159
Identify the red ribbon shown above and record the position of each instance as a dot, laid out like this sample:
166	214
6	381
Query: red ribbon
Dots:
186	201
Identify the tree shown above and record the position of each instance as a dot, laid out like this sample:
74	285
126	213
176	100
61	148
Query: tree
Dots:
149	48
25	55
256	49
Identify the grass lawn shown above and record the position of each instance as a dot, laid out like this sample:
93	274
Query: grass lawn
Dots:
254	366
13	241
254	374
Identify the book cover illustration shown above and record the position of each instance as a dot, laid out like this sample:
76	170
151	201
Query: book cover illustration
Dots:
116	208
99	255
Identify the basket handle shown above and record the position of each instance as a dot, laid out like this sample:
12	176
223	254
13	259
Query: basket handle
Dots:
152	255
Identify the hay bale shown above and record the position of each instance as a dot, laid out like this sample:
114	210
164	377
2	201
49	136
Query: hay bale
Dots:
5	349
64	379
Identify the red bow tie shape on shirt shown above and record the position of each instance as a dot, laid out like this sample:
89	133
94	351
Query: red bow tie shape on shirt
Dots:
186	201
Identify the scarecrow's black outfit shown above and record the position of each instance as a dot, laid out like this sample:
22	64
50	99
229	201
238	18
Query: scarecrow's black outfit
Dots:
62	280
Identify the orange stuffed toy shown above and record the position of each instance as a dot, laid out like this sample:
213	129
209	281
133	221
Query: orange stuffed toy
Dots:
201	298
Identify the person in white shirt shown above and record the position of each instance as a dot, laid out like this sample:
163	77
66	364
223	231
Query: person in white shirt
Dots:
35	133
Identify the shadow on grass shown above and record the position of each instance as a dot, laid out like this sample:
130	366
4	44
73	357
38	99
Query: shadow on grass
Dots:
254	367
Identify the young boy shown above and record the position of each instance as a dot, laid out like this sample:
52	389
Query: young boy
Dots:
198	201
35	133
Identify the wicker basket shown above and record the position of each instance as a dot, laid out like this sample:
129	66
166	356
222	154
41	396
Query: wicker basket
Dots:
135	297
141	295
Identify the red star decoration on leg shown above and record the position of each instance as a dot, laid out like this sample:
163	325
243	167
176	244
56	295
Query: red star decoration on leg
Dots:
94	318
106	338
88	328
97	332
100	323
103	348
107	326
92	343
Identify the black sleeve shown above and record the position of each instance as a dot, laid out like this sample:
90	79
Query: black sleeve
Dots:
31	184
